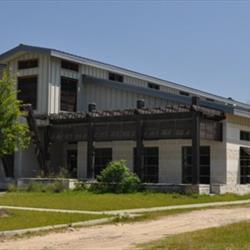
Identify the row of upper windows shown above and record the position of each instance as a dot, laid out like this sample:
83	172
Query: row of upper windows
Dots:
119	78
69	65
34	63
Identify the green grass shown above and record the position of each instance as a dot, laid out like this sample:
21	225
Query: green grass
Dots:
230	237
98	202
19	219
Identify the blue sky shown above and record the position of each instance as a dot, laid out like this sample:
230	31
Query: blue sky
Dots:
202	44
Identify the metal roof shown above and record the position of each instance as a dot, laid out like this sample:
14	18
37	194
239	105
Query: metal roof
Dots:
240	106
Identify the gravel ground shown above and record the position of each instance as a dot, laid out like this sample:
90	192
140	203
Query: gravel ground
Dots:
125	236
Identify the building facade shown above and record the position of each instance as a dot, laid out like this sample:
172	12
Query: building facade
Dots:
55	82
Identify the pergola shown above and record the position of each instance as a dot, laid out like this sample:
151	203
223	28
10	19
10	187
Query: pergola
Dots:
171	122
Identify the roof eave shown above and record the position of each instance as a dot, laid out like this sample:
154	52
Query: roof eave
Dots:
242	113
22	48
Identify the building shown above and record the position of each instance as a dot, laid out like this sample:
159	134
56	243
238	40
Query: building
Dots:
88	113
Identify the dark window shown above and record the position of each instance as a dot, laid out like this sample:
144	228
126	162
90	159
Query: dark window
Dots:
184	93
8	165
70	65
153	86
244	165
27	90
151	165
210	100
28	64
102	157
115	77
72	163
68	94
204	165
245	136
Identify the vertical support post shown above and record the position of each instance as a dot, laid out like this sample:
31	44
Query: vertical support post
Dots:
196	148
90	152
46	144
140	149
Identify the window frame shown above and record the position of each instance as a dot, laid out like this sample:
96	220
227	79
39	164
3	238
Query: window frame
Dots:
148	178
23	67
184	93
8	162
244	168
154	86
117	77
76	93
244	135
187	165
107	152
75	65
34	107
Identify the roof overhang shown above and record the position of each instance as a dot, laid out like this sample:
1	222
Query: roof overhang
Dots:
19	50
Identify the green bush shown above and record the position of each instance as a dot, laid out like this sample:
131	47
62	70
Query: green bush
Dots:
80	186
35	187
12	188
55	187
117	178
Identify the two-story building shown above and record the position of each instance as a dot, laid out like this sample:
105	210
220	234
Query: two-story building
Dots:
94	112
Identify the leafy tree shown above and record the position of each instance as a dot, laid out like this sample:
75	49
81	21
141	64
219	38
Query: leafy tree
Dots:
13	133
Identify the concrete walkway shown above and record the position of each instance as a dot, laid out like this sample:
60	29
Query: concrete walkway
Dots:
133	211
51	210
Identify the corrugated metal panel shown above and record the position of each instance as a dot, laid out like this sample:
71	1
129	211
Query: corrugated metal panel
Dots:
54	85
108	98
134	81
93	71
69	73
41	72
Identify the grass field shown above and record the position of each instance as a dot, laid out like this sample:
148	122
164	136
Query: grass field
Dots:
231	237
98	202
17	219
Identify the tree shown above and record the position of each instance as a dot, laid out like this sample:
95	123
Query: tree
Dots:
13	133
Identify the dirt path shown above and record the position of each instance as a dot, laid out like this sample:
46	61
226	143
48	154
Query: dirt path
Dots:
125	236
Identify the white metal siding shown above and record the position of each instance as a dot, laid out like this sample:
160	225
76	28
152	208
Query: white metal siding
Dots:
41	72
110	98
104	97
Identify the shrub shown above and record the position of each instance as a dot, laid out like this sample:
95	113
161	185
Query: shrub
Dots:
80	186
55	187
12	188
117	178
35	187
